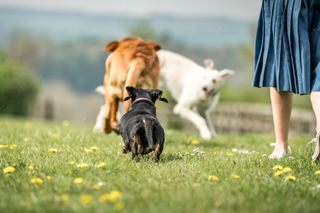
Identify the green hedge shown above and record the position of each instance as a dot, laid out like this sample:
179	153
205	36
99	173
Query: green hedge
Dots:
18	89
258	95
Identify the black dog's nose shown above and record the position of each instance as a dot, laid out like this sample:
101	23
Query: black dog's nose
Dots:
205	89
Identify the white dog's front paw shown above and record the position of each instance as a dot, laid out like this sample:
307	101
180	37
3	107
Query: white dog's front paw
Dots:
206	134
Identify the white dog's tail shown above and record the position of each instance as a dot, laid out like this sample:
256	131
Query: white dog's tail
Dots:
100	90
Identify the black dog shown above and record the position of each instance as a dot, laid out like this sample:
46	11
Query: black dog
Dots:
139	127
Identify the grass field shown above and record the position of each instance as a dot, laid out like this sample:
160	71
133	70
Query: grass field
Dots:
67	168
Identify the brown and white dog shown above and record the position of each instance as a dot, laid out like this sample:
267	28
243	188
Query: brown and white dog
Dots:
132	62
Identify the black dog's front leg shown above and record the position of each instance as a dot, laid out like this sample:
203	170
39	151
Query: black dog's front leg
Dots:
159	140
147	150
126	148
134	149
157	151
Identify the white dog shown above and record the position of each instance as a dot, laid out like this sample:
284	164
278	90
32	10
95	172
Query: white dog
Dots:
98	127
195	88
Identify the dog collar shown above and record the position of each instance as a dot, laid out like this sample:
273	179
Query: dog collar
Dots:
142	99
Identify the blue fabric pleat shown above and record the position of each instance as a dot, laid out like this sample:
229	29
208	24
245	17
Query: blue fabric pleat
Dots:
287	52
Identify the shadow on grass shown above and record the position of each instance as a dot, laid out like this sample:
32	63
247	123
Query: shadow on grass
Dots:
213	144
164	158
170	157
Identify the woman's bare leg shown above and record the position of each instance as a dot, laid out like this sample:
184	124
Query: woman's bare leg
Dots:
281	110
315	101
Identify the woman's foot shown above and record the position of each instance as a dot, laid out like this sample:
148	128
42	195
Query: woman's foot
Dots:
316	153
280	152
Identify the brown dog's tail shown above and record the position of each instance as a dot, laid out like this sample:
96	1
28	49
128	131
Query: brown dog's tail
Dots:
148	128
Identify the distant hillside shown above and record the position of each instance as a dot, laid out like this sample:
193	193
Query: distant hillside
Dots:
67	47
66	26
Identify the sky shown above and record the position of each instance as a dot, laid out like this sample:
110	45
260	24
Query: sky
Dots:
240	9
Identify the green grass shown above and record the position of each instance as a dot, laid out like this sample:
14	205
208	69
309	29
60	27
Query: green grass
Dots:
178	183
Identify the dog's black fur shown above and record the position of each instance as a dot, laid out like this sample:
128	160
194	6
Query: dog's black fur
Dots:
139	127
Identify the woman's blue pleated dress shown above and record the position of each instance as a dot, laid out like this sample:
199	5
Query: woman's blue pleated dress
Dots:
287	53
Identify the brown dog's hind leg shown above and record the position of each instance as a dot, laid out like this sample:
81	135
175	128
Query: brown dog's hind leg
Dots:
135	70
113	116
106	121
106	126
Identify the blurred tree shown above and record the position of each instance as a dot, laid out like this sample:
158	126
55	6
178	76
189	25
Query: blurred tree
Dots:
26	49
248	48
143	28
3	56
18	88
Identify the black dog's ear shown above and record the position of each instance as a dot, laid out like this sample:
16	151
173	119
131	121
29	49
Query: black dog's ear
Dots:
156	94
163	99
131	92
126	98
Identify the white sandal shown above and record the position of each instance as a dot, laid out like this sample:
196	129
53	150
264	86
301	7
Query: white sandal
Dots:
278	154
316	153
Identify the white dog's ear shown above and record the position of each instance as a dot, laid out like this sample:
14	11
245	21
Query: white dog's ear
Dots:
100	90
208	63
226	72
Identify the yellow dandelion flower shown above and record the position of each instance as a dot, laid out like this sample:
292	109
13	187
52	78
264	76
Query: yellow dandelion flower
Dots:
36	180
71	162
277	167
287	169
9	170
65	124
213	178
86	199
3	146
55	136
25	139
91	149
32	167
94	148
64	198
317	172
101	165
103	198
28	125
234	176
53	150
119	205
82	165
291	178
87	150
12	146
113	196
194	142
78	181
96	186
49	177
278	173
230	154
